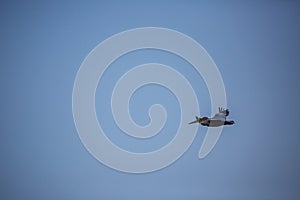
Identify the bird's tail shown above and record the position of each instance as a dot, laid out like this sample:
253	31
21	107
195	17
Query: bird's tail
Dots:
231	122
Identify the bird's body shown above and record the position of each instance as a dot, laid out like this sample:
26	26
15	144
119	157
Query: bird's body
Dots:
218	120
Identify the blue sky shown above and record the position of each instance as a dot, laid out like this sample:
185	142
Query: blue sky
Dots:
255	46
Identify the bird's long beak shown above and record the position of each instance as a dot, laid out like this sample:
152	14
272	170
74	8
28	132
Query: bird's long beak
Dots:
193	122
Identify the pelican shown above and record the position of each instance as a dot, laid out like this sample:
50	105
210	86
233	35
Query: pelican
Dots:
218	120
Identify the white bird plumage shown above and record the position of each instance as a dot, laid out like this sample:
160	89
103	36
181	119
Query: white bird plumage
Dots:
219	119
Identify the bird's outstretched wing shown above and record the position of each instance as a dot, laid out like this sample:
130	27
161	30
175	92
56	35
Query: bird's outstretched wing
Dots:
221	115
224	111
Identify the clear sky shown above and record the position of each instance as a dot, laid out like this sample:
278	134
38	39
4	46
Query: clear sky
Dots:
255	45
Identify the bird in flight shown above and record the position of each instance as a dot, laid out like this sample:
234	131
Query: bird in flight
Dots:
218	120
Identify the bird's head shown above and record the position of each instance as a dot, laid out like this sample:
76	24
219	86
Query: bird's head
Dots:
203	119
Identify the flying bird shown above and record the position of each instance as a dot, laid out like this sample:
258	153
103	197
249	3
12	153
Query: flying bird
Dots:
218	120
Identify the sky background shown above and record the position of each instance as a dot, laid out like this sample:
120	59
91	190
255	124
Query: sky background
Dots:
255	45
